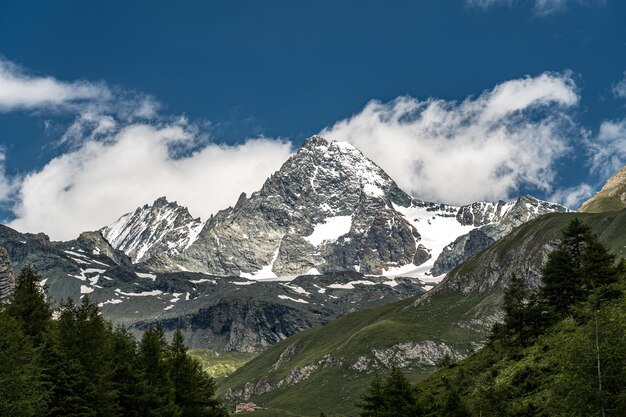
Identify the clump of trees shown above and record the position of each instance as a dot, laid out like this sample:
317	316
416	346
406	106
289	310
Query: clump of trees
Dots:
78	365
560	350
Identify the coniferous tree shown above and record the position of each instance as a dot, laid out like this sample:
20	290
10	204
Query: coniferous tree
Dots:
29	306
399	396
158	390
125	374
194	390
574	237
514	306
85	341
393	396
22	392
373	401
598	266
563	284
452	405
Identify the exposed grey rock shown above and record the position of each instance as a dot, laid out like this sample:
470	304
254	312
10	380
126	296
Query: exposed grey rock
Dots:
295	376
425	353
225	316
493	222
7	277
459	250
161	227
325	182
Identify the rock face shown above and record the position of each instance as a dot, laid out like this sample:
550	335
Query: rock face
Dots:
233	314
494	221
327	209
221	313
160	227
611	197
7	277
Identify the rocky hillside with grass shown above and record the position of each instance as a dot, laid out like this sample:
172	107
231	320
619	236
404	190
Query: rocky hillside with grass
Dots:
337	361
611	197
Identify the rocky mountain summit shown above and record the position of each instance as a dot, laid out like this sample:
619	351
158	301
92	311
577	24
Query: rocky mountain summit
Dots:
328	209
611	197
161	227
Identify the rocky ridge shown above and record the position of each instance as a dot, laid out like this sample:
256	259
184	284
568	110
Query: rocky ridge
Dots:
7	277
161	227
221	313
329	208
493	222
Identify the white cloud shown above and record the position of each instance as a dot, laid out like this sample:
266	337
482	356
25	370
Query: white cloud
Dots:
608	148
540	7
483	148
116	171
573	197
619	88
19	90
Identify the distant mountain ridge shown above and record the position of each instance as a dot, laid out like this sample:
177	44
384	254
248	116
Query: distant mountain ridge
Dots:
328	209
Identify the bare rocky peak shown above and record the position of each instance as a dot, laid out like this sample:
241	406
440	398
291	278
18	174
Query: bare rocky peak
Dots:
317	213
328	208
162	226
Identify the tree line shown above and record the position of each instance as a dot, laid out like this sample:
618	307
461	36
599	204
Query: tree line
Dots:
559	351
78	365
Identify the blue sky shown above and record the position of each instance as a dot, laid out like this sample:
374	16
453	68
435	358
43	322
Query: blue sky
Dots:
215	76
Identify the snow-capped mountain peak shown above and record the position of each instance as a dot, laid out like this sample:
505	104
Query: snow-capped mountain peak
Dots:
162	226
328	208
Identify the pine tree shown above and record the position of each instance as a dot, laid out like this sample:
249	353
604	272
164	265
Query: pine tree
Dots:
85	340
158	390
598	266
393	396
514	306
194	390
373	401
563	284
452	405
399	396
574	237
22	392
125	374
29	306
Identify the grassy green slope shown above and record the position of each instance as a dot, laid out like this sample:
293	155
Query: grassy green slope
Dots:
447	318
220	365
336	388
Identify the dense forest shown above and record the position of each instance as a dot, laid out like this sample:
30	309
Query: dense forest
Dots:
560	350
78	365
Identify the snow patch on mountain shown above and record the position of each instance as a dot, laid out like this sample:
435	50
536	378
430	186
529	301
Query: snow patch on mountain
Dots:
331	229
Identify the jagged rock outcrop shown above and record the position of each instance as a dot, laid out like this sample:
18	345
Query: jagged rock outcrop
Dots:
7	277
611	197
327	208
494	221
161	227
